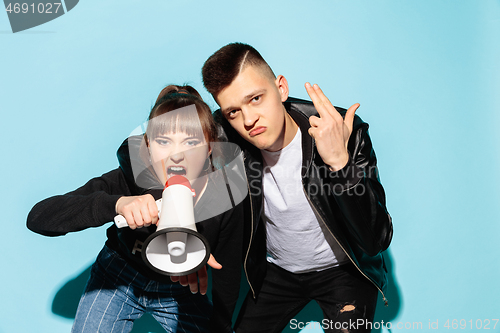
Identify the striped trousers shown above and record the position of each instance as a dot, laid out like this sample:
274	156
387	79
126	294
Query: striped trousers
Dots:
116	295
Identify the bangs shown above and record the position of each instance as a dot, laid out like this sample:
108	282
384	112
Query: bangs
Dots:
184	120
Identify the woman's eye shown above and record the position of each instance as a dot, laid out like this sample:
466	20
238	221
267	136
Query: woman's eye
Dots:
193	142
162	142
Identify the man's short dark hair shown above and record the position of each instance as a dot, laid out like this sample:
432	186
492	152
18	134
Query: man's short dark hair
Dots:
224	66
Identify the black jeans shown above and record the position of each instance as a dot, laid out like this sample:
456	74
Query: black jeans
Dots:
346	297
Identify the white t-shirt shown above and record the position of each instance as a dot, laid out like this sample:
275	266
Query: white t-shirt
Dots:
295	239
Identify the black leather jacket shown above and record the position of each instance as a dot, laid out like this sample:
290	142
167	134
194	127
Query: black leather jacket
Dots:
349	202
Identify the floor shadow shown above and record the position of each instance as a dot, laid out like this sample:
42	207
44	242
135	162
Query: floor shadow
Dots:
66	301
393	295
312	312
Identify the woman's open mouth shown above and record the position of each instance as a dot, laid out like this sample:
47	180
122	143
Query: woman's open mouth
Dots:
176	171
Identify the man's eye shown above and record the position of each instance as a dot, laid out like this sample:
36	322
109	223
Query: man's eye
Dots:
231	114
256	98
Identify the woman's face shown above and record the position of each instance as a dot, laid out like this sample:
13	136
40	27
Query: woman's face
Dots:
178	154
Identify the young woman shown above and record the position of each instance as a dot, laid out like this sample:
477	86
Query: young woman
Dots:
121	287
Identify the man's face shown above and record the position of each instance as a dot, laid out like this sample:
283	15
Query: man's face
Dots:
252	104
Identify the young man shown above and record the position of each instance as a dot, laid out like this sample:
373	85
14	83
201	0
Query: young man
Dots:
317	221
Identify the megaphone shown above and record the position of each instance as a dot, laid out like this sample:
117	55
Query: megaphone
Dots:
176	248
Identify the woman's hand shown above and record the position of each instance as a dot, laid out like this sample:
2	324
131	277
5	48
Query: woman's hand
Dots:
139	211
199	278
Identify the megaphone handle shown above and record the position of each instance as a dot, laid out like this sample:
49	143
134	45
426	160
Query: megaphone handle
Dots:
121	221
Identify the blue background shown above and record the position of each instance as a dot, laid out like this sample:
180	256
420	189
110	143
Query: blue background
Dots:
425	72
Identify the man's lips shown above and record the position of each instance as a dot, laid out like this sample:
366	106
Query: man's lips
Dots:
257	131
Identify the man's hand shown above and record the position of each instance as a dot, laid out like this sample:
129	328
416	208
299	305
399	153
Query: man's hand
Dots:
201	276
330	130
139	211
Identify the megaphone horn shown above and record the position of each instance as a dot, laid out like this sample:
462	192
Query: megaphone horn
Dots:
176	248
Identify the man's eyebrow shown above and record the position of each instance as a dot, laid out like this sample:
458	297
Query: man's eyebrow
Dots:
253	94
226	110
245	99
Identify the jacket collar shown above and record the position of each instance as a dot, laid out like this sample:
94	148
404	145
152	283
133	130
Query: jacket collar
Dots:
300	111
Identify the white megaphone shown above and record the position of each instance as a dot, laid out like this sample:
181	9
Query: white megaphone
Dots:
176	248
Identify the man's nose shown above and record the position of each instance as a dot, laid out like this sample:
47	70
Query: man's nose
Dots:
249	117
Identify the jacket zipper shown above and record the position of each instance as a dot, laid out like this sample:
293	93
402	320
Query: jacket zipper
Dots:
251	238
347	254
386	303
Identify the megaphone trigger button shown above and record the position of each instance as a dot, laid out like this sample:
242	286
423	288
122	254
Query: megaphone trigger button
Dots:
158	205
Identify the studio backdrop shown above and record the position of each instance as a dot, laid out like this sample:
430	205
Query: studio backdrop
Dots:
77	77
